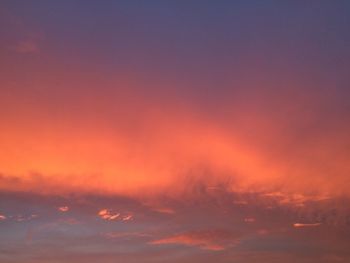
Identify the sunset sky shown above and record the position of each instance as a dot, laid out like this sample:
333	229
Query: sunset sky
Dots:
174	131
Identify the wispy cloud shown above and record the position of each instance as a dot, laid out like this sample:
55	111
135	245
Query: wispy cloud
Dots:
63	209
108	214
214	240
306	224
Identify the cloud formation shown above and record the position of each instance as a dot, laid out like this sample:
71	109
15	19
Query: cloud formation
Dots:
174	132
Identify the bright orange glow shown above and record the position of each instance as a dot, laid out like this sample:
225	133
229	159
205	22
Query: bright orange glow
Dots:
63	156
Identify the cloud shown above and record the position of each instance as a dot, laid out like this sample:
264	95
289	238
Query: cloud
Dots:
125	235
108	215
63	208
127	217
164	210
214	240
306	224
210	222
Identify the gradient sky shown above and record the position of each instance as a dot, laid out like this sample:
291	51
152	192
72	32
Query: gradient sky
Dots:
174	131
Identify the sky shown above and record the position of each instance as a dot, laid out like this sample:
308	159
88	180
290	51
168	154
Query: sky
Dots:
174	131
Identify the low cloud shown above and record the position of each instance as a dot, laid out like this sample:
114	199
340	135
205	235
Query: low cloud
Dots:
214	240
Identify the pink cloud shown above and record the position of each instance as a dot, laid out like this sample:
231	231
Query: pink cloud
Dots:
63	209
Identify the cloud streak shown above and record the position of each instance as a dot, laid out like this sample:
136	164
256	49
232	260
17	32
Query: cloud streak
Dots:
306	225
214	240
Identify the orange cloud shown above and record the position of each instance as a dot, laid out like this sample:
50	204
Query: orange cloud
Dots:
214	240
306	225
108	214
